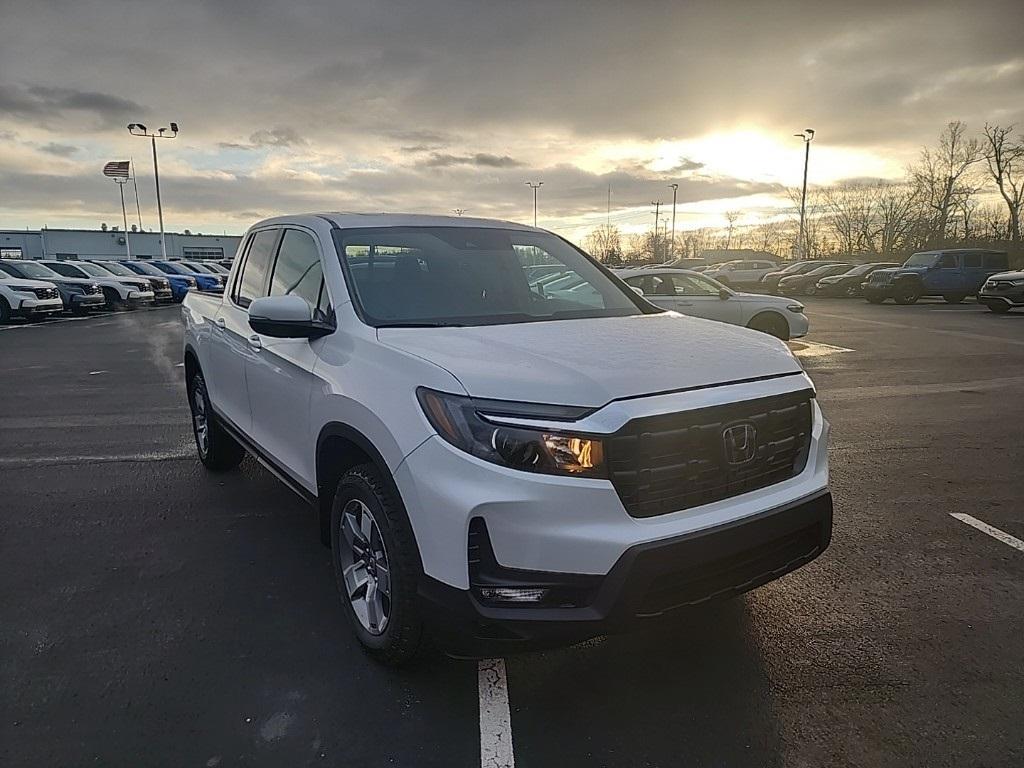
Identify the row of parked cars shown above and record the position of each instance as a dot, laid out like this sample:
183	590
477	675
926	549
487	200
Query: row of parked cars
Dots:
39	288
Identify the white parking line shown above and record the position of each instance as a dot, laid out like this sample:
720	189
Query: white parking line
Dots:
815	349
995	533
495	720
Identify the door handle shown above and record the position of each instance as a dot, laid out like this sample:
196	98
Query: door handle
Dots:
255	344
219	322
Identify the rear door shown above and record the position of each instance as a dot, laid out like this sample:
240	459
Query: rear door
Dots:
230	347
279	372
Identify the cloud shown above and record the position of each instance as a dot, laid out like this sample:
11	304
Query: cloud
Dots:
480	159
46	103
277	137
59	150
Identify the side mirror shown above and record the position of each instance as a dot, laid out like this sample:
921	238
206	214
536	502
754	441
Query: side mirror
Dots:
286	317
637	291
724	293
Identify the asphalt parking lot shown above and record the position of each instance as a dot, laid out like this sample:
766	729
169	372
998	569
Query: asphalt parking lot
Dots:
152	614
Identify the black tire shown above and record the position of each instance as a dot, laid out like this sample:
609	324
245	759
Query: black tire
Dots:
402	636
906	296
114	300
953	298
999	309
5	311
219	451
771	323
874	299
810	289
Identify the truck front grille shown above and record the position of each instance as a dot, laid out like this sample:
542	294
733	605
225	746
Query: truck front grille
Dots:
46	293
669	462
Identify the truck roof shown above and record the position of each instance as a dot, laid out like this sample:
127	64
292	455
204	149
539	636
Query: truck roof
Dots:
355	220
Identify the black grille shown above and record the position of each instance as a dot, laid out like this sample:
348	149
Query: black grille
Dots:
665	463
93	289
45	293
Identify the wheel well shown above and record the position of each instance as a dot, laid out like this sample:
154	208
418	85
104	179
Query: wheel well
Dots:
335	455
767	314
191	364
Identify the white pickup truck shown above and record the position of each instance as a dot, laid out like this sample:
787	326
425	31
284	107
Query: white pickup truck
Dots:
494	465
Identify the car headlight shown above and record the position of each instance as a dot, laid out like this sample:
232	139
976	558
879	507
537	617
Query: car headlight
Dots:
1016	282
798	308
74	288
458	420
23	289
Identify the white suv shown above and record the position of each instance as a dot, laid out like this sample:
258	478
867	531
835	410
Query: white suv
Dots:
499	465
741	274
27	298
120	292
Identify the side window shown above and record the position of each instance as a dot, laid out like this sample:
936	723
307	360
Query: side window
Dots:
947	261
298	271
257	264
687	285
997	261
972	261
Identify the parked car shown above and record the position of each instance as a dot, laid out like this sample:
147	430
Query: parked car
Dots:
770	281
1003	291
952	274
685	263
205	281
492	465
806	282
741	274
208	267
27	298
120	292
79	295
849	283
180	284
160	286
691	293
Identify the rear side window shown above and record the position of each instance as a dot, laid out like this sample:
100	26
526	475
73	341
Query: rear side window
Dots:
257	264
997	261
972	260
298	270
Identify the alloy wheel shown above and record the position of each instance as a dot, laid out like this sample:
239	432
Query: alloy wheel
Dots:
199	419
365	567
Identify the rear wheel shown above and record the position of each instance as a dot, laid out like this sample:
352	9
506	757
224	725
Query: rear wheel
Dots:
954	298
376	566
217	449
771	323
874	299
5	311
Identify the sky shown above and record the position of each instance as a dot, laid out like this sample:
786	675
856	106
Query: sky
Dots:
430	106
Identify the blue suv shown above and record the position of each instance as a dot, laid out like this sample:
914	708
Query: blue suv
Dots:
952	274
205	280
180	284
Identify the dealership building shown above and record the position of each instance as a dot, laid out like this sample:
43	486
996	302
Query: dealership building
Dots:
66	244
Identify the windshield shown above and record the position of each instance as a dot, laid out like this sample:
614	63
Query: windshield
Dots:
93	270
474	276
921	260
116	269
28	270
147	269
172	269
861	269
197	267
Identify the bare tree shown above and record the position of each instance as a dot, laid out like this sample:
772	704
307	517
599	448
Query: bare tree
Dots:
897	209
605	244
849	215
768	236
1004	156
731	217
942	175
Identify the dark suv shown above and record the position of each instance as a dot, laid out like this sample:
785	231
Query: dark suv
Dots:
952	274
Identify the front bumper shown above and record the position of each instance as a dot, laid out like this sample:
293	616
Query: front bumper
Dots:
647	581
877	291
38	307
1010	299
140	298
88	301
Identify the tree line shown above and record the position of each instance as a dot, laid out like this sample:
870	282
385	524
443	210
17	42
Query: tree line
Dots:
963	190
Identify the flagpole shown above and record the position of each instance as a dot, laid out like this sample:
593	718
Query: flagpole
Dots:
124	217
135	182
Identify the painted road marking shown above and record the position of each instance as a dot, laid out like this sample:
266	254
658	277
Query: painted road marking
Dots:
815	349
495	720
96	373
995	533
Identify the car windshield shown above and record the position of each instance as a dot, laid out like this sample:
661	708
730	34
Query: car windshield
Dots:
173	269
435	276
821	271
861	269
93	269
29	271
921	260
197	267
148	269
116	269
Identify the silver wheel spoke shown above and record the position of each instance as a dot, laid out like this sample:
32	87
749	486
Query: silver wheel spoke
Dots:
356	579
364	566
366	526
353	536
383	580
373	606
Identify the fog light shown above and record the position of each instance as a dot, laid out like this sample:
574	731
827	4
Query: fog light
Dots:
513	594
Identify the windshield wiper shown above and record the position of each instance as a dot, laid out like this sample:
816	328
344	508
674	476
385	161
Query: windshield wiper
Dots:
421	325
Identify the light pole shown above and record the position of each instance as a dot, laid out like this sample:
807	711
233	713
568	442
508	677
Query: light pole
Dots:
534	187
657	208
808	137
675	189
138	129
118	171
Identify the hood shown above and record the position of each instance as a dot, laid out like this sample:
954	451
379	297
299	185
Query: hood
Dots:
62	280
6	279
594	361
1013	275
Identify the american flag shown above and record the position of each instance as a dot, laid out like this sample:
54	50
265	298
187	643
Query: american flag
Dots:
117	169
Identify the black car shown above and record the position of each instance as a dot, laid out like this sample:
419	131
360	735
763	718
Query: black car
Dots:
770	282
1003	292
849	283
806	283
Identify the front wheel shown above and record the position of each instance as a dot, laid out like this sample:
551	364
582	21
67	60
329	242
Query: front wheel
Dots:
114	300
5	311
772	324
954	298
999	309
376	566
217	449
874	299
810	290
906	296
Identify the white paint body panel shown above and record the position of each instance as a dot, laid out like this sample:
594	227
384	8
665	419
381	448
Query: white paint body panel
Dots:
282	392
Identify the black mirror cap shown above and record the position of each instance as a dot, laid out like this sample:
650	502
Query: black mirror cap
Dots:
279	329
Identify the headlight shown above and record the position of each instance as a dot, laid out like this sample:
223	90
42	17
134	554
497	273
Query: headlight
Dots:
458	420
23	289
1016	282
796	308
74	288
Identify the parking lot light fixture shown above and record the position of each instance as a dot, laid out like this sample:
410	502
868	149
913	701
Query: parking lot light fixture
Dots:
808	136
138	129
